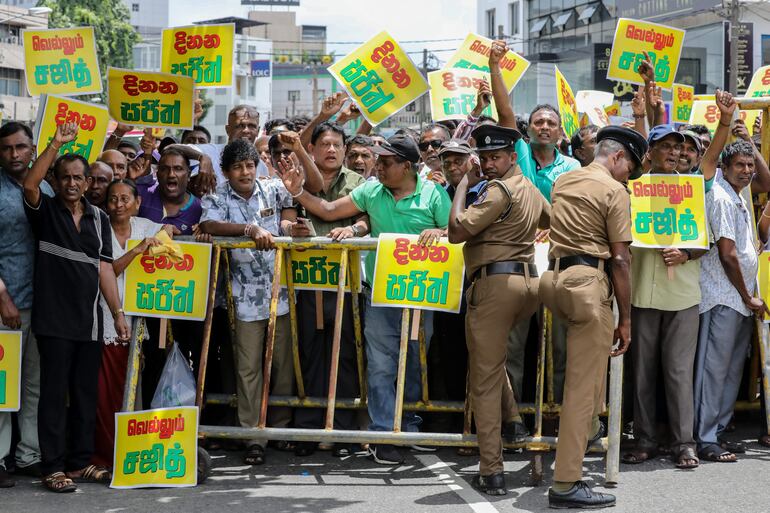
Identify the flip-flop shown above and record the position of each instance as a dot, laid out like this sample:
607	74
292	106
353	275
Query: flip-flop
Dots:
91	474
58	482
687	454
638	456
714	453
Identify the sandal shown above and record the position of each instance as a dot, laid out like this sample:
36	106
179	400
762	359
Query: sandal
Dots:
764	440
733	447
687	459
58	482
91	474
638	456
342	450
715	453
255	455
283	445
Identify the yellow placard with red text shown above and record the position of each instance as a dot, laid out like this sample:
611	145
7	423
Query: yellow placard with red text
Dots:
682	98
92	121
408	275
453	93
203	52
61	61
143	98
632	38
161	286
760	83
669	211
473	53
10	370
567	106
380	77
319	269
706	112
156	448
613	110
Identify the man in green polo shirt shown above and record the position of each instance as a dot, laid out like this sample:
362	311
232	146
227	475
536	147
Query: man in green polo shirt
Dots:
400	202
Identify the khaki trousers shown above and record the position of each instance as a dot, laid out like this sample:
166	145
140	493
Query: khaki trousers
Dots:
249	350
495	304
581	295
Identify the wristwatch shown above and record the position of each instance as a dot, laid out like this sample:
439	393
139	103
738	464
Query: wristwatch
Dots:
687	252
356	230
118	311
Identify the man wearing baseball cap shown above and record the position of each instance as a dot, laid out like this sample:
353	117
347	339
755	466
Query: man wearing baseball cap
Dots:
499	233
399	202
589	260
665	304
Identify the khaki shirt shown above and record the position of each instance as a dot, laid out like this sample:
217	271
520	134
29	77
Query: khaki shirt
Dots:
591	210
345	182
512	238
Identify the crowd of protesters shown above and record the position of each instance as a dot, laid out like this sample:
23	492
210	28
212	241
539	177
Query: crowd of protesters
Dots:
498	186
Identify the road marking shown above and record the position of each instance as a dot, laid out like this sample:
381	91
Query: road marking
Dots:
445	474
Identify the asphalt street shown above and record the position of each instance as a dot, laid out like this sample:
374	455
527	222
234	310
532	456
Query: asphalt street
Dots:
437	482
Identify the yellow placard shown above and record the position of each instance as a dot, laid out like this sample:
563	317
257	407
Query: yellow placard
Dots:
760	83
407	275
380	77
669	211
567	106
592	104
473	53
156	448
319	269
10	370
453	93
61	61
682	97
613	110
92	121
633	37
706	112
763	276
143	98
203	52
159	286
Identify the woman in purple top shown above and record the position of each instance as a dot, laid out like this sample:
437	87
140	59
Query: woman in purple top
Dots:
167	201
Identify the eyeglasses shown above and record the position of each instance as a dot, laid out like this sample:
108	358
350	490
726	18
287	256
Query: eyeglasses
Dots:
430	144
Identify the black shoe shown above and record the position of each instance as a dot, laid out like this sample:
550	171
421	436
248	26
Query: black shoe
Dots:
6	481
599	434
580	496
515	432
32	470
303	449
385	454
341	450
491	485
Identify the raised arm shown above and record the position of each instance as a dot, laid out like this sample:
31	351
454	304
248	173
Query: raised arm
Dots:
726	105
331	106
638	107
314	182
114	139
505	114
65	133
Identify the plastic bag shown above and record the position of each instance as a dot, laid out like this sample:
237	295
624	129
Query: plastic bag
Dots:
176	386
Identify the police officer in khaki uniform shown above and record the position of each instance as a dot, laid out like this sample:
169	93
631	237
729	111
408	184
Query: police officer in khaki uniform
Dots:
590	235
499	232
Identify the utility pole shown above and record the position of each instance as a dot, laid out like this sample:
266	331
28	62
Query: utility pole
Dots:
735	19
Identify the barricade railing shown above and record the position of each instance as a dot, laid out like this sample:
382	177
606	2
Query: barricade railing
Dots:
350	249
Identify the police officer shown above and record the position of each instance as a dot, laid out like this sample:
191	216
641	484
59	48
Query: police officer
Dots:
499	232
590	235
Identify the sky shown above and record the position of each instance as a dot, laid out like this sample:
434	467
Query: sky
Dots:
359	20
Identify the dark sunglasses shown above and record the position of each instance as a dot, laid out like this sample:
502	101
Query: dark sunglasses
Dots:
432	144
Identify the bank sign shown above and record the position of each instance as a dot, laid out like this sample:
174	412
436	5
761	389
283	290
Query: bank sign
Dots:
260	68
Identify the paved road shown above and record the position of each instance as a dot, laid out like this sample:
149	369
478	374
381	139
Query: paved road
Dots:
438	482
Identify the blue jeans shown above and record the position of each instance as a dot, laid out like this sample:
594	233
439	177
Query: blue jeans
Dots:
383	334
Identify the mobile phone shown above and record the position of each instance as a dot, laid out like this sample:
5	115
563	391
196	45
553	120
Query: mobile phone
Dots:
307	222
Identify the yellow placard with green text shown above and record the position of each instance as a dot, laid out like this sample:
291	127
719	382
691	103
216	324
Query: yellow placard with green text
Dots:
156	448
61	61
682	98
408	275
203	52
473	53
453	93
760	83
763	276
669	211
567	106
632	38
171	288
380	77
143	98
10	370
92	121
319	269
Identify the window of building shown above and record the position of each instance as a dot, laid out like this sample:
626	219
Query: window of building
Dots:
412	107
10	34
491	23
538	26
10	81
135	7
561	21
588	13
515	18
252	87
220	115
293	96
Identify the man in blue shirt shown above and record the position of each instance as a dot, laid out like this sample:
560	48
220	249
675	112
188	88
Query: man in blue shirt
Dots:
17	250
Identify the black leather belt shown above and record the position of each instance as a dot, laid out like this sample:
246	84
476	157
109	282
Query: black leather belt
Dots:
507	267
569	261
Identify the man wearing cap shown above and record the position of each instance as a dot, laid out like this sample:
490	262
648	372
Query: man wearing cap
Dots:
400	202
665	306
499	232
589	259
